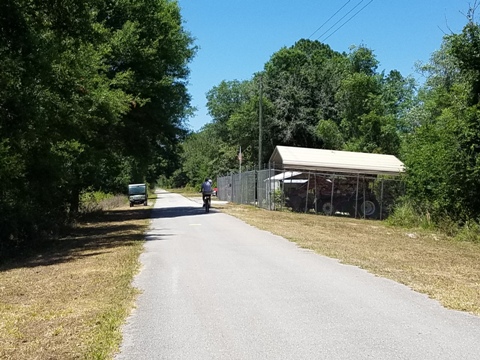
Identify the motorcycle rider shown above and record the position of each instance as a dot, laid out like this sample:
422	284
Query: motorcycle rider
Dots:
206	189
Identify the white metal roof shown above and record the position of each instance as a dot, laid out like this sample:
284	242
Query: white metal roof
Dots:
298	158
284	175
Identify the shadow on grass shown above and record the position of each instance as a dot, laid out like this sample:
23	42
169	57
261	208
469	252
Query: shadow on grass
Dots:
95	234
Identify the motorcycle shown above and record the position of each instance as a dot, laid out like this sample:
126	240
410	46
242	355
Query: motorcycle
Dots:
207	198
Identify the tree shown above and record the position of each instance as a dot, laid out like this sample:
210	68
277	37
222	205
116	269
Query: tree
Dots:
92	95
299	90
223	101
204	156
442	154
330	134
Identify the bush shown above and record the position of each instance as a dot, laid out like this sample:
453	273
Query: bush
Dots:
446	225
94	201
405	214
470	232
278	199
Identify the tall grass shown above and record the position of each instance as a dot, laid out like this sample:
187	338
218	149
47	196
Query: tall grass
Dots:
470	232
408	216
95	201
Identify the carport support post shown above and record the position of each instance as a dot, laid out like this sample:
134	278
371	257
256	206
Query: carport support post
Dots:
316	195
364	193
306	197
331	197
356	196
381	200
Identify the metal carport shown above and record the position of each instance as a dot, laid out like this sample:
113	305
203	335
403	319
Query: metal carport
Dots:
321	160
332	166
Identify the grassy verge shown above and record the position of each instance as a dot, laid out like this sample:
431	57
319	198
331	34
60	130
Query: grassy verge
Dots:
428	262
69	301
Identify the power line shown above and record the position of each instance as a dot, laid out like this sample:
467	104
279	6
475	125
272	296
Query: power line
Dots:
343	17
349	19
330	18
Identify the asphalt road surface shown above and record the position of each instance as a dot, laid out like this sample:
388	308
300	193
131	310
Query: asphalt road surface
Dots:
214	287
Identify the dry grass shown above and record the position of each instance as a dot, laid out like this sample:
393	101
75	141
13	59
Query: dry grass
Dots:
446	270
69	301
190	192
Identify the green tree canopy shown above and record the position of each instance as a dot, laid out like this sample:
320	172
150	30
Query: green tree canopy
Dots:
92	95
442	153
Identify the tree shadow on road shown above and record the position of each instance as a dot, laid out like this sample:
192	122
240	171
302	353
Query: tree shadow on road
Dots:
173	212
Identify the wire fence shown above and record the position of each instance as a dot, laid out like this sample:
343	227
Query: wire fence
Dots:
354	195
238	188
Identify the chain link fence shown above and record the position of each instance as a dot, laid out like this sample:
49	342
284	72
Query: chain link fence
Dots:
354	195
238	188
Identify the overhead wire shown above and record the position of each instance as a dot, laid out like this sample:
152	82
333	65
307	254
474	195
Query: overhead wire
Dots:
348	20
343	17
330	18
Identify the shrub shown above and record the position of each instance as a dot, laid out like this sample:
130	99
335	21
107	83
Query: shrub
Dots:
470	232
406	214
94	201
278	199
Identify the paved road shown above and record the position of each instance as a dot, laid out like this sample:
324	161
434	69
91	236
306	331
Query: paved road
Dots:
217	288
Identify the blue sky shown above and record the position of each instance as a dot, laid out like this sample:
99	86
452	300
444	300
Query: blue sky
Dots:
237	37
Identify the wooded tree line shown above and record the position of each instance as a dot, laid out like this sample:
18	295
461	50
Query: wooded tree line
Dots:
316	97
92	96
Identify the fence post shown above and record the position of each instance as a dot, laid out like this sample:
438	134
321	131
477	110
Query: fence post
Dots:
268	191
231	187
255	192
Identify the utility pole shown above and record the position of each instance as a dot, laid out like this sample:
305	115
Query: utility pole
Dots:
260	120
